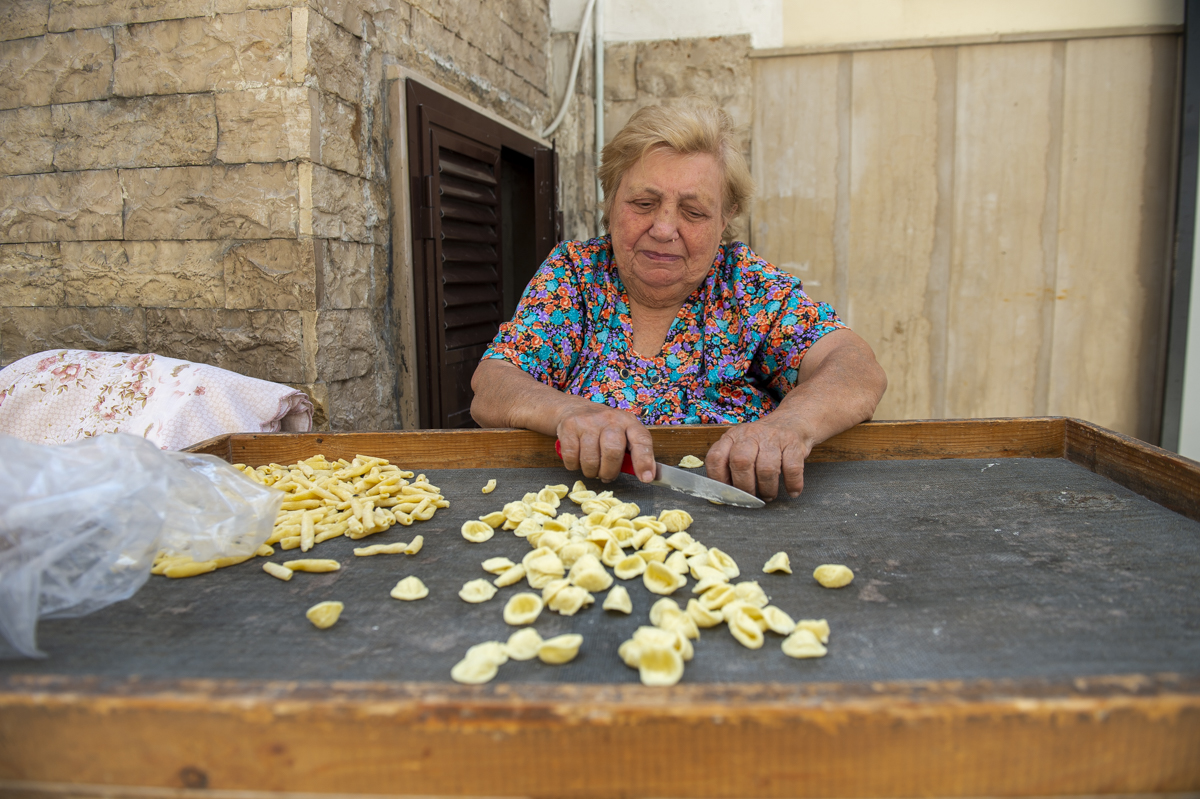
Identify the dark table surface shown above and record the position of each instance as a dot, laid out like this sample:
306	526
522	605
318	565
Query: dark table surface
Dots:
965	569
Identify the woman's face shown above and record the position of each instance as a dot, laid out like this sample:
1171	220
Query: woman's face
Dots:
667	223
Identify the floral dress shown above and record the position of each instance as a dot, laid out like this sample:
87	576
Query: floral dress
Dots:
730	356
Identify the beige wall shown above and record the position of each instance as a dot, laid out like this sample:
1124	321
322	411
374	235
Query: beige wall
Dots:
819	22
208	180
993	219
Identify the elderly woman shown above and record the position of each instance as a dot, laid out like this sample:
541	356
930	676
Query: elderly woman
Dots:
667	321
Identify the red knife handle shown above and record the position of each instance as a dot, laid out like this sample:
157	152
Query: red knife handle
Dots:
626	464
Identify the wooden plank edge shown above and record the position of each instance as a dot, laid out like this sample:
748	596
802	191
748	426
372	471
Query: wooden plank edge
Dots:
1120	734
506	448
1171	480
967	41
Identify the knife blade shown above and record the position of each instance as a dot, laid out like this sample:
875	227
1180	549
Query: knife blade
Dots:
693	484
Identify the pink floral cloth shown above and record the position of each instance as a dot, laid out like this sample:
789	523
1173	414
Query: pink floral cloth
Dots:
63	395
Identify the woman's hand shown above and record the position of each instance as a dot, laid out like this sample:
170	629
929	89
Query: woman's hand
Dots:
594	438
752	456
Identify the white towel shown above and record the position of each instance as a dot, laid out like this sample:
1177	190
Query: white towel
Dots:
63	395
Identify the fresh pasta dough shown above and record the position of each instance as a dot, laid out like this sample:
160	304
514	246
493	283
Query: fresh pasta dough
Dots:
409	589
324	615
778	563
803	643
523	608
618	600
489	486
560	649
833	575
477	531
690	462
476	591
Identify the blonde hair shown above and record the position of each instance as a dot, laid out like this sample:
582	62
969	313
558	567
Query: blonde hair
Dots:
688	126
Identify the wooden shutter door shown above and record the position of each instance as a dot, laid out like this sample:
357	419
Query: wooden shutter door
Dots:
457	265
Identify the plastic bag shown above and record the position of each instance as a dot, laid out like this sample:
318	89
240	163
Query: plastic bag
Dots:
80	523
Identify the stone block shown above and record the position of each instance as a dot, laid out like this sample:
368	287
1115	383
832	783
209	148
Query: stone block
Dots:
715	67
262	344
392	27
352	276
620	74
276	274
60	206
249	201
31	274
148	274
56	68
228	52
143	131
362	403
26	141
25	331
20	19
336	59
345	207
342	128
347	344
274	124
72	14
530	20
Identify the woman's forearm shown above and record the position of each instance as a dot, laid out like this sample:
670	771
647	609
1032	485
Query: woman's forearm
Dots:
506	396
839	387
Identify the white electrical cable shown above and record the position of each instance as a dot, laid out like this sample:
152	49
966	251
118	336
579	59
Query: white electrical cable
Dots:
583	27
599	91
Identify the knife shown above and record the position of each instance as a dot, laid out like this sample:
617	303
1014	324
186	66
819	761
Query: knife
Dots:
689	483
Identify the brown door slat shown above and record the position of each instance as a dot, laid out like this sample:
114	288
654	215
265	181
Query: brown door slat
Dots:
467	294
464	252
468	315
469	336
466	190
459	165
468	273
468	211
466	231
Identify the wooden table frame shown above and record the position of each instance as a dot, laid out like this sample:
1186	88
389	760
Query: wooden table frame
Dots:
1123	734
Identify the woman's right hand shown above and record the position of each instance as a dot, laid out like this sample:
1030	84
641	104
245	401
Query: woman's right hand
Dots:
595	437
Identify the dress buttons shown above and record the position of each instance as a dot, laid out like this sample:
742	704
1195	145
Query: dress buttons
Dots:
624	374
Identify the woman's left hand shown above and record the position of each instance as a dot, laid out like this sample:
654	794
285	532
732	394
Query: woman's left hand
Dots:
752	456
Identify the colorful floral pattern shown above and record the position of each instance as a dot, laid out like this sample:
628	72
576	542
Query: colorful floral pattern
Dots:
731	355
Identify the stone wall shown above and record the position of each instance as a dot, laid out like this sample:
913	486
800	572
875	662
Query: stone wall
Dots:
206	179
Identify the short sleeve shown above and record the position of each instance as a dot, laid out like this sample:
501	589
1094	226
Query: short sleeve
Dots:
799	323
546	334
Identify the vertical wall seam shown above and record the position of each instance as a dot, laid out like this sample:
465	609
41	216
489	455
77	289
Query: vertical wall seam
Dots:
937	290
1050	223
841	214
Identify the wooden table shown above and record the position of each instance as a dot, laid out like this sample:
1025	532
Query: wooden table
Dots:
80	725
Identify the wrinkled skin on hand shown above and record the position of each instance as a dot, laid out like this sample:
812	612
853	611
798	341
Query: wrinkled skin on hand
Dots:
753	455
594	439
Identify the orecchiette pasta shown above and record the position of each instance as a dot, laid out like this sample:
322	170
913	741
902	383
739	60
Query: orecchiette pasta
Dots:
477	531
719	560
522	609
476	591
560	649
833	575
511	576
777	621
630	567
658	579
778	563
750	591
690	462
703	616
803	643
523	644
818	627
325	614
676	520
618	600
410	588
